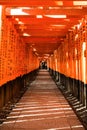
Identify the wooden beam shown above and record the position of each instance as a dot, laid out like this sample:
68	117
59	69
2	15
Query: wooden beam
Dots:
56	11
37	3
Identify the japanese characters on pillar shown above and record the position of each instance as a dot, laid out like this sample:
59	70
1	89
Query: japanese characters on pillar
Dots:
70	57
3	47
84	42
76	63
16	57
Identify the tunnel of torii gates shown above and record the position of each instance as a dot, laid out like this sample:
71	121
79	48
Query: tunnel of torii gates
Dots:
35	32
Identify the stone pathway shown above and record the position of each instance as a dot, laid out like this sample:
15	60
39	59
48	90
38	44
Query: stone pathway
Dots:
42	107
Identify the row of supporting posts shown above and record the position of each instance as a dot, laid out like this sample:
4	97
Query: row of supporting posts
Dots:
10	90
13	88
76	87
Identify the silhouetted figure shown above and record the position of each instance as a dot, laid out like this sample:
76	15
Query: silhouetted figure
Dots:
43	65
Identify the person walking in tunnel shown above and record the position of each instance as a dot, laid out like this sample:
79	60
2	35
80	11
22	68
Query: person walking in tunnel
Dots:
43	65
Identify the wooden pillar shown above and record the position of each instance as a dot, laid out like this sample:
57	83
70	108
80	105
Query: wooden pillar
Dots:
1	97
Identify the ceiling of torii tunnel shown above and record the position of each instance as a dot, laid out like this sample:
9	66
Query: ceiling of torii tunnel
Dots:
44	23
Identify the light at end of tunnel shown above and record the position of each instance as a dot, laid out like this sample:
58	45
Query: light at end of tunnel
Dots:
56	16
26	34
